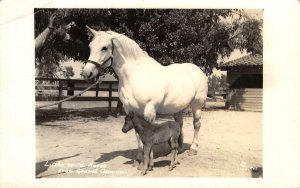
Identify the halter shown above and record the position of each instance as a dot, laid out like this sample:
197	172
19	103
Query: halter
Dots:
98	66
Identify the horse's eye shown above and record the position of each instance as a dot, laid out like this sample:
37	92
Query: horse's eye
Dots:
104	48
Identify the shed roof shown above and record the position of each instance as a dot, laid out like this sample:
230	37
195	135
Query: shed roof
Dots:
249	60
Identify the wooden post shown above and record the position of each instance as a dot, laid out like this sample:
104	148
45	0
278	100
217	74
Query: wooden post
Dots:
60	88
97	90
109	96
119	108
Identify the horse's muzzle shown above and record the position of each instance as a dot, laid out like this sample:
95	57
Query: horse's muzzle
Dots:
124	130
90	75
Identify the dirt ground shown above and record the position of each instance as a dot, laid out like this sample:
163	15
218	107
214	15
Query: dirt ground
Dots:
86	141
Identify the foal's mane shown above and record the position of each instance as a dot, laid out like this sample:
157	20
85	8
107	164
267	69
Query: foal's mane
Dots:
129	48
144	122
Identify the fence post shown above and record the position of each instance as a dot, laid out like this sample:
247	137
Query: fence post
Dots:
97	90
60	88
109	96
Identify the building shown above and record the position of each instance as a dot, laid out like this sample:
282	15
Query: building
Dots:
245	79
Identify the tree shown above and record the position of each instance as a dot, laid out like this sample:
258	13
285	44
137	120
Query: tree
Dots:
69	72
247	34
217	82
168	35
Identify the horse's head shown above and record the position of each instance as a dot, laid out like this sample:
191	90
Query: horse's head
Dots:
128	124
101	54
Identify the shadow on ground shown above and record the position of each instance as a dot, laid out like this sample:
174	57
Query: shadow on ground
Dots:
97	113
41	167
131	154
51	115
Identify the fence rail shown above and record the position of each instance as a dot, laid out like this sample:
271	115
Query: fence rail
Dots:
51	89
215	93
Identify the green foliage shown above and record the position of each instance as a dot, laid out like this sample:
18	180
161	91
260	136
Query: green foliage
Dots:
217	82
69	72
168	35
248	36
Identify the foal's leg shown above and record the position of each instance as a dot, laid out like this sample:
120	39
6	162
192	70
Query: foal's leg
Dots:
176	153
149	115
140	154
176	157
151	160
178	119
172	165
173	155
147	149
196	109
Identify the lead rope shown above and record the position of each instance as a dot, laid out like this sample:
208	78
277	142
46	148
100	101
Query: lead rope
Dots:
71	97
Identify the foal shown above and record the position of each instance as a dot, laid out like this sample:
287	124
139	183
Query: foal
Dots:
152	134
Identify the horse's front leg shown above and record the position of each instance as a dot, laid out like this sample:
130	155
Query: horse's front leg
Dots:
150	112
140	155
179	120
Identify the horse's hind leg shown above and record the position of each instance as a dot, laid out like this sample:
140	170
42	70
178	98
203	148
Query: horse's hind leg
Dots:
196	109
178	119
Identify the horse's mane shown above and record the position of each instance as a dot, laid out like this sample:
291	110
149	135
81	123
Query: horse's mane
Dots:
129	48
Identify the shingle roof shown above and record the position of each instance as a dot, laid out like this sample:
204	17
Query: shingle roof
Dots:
249	60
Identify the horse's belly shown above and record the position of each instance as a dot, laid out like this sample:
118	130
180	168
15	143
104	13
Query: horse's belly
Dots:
178	96
168	109
173	104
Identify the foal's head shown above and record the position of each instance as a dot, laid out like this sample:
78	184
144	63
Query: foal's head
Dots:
128	125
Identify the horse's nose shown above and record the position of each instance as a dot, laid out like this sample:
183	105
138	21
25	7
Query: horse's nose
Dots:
90	75
85	75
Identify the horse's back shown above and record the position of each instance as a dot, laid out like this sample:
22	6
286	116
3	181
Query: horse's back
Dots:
184	83
188	74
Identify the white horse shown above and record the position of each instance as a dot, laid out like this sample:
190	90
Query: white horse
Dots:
145	86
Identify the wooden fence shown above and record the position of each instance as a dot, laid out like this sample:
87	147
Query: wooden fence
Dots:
49	89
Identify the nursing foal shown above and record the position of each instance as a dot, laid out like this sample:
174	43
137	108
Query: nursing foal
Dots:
152	135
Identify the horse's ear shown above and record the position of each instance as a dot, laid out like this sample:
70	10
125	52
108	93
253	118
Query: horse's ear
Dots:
114	35
94	32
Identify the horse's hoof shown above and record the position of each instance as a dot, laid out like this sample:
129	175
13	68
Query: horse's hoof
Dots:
143	173
170	168
150	168
140	166
192	152
178	163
